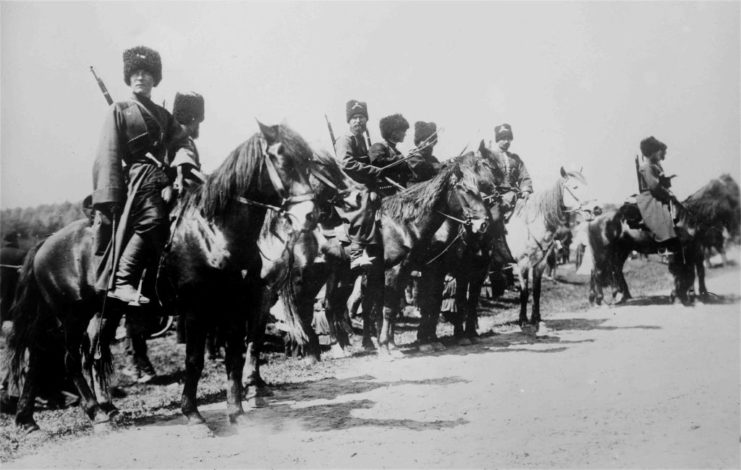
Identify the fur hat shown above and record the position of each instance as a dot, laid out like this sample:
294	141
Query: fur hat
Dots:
503	131
651	145
142	58
391	124
423	130
354	107
188	107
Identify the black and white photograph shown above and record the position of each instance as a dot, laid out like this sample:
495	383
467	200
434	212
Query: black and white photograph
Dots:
370	234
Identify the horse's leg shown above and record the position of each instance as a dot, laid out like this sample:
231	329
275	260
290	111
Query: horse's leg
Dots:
24	413
477	280
335	299
537	284
234	359
74	332
102	360
700	267
391	293
195	344
524	294
430	287
256	325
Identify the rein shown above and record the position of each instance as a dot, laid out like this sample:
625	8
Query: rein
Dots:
277	182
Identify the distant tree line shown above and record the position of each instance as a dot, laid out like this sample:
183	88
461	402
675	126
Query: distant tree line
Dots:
35	223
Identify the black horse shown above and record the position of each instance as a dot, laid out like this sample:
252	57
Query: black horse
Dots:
612	239
213	268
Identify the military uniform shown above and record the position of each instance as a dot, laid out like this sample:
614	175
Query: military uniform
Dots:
385	153
655	197
423	164
130	167
361	214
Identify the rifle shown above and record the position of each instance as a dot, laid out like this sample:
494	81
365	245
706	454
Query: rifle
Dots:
367	134
102	86
422	145
641	185
331	132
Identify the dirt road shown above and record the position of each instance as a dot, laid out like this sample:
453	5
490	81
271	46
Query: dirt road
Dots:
644	385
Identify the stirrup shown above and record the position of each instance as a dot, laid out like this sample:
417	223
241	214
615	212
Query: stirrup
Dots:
126	293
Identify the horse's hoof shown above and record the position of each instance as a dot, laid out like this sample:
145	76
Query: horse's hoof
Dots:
103	427
474	339
29	428
464	342
199	430
396	354
425	348
309	361
237	419
110	410
438	346
528	329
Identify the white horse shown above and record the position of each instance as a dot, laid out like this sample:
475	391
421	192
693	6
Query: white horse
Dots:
531	235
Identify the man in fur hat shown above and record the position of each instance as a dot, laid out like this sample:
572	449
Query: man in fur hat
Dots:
352	150
516	175
424	165
393	130
129	172
188	110
654	201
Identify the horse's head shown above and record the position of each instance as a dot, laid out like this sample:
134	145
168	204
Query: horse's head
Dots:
575	193
465	200
287	158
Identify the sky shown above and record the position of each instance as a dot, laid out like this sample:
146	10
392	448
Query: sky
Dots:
580	83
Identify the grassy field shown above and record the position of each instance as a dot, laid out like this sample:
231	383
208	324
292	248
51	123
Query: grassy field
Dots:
140	404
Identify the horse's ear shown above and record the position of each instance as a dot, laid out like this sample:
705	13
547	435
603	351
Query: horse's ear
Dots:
563	173
269	132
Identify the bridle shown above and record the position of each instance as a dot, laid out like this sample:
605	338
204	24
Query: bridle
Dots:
287	201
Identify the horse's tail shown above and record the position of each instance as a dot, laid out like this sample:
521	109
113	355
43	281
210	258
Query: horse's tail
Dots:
31	316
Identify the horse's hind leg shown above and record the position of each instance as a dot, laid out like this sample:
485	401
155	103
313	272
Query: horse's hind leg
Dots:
24	414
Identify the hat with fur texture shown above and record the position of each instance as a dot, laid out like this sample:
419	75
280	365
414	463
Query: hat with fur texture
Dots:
391	124
142	58
354	107
423	130
188	108
503	131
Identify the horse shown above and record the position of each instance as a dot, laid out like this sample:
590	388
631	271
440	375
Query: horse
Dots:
612	239
531	236
410	220
212	265
466	255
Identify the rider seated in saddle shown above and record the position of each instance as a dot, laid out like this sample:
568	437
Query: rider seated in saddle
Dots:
131	171
517	182
365	166
188	110
423	163
655	199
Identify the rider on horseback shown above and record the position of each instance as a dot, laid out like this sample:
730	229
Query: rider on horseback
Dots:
656	199
133	149
188	110
517	182
424	165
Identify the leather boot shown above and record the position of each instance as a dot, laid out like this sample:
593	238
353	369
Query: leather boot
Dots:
500	253
128	275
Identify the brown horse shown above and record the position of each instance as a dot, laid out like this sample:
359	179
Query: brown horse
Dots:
213	264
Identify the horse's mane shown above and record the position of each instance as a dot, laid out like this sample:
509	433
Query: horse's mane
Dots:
242	169
331	169
717	202
420	199
488	174
549	203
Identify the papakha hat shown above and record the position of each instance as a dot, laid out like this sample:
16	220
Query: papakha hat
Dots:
142	58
